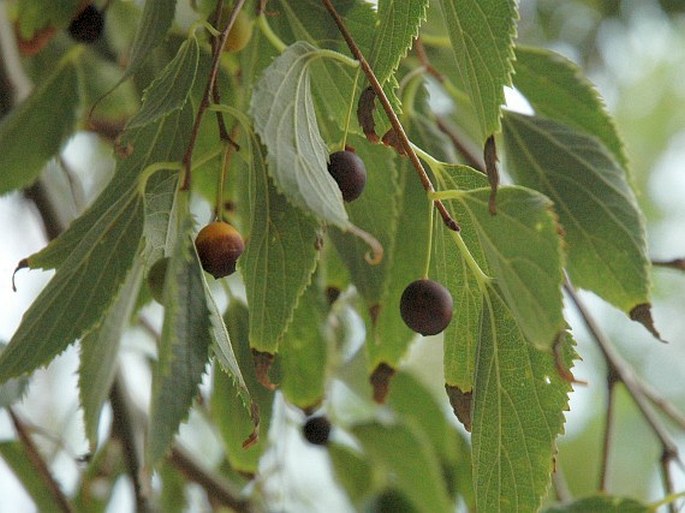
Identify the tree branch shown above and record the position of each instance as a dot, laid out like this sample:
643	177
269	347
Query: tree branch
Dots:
390	113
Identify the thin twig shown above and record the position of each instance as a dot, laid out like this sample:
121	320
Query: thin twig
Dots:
219	489
39	463
608	430
676	263
625	374
211	83
561	489
470	158
392	116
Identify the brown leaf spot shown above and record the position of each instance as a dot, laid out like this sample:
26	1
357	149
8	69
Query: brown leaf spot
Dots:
262	365
562	369
365	108
490	157
461	405
380	381
643	314
374	312
253	438
39	40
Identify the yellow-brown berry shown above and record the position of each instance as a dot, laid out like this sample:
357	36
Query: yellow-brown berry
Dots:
240	33
219	245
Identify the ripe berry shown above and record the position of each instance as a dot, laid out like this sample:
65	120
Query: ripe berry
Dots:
219	245
87	26
316	430
155	278
426	307
348	170
240	33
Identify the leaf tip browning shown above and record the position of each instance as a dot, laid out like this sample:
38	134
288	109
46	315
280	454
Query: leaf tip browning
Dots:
461	403
491	159
642	313
262	363
23	264
380	381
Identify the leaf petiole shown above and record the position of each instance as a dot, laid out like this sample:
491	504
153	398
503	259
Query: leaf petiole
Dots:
152	169
270	35
482	278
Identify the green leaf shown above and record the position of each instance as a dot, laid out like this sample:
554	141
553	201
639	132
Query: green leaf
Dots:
381	189
99	350
285	119
155	22
602	504
279	259
352	471
387	336
158	142
303	352
235	424
523	250
81	290
12	390
557	89
518	400
184	347
408	456
399	25
33	133
170	90
482	33
34	15
603	226
14	455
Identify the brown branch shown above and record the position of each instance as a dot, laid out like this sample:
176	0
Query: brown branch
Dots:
216	487
390	113
39	464
625	374
677	263
208	93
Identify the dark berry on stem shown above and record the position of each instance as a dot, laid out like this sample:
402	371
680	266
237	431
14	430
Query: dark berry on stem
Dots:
348	170
426	307
316	430
219	245
87	26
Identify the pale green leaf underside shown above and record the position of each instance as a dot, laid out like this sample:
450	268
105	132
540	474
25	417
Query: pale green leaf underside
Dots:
34	132
285	119
482	33
184	346
279	258
518	401
523	251
557	89
399	25
81	290
602	223
602	504
155	21
170	90
99	350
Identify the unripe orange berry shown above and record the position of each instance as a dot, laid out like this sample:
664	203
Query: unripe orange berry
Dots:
219	245
240	33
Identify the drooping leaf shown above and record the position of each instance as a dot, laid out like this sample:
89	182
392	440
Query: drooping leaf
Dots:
12	390
279	259
155	21
99	349
482	33
303	352
170	90
409	457
33	133
381	189
160	228
399	25
81	290
184	347
523	250
602	504
157	142
244	444
15	457
352	471
557	89
602	223
285	119
518	403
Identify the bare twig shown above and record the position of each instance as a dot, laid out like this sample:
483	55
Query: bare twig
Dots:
39	464
390	113
219	489
608	429
625	374
208	93
676	263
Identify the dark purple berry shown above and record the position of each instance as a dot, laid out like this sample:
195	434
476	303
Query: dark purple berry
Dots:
316	430
87	26
348	170
426	307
